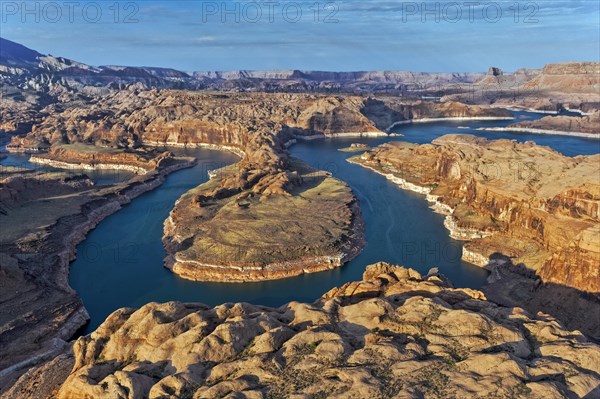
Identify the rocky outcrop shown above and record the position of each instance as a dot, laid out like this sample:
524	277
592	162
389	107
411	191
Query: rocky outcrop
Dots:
572	85
515	286
44	216
394	334
90	157
266	230
496	80
569	77
18	186
588	124
389	112
524	201
494	71
576	263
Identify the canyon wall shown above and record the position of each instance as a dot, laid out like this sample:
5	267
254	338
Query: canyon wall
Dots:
523	201
589	124
572	85
569	77
92	157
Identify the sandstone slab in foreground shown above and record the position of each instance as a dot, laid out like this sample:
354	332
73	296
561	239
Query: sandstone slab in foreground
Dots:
395	334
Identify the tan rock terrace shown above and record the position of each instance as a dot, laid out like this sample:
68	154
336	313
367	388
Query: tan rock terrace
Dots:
394	334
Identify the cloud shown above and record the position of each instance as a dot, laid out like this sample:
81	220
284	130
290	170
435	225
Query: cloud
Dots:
205	39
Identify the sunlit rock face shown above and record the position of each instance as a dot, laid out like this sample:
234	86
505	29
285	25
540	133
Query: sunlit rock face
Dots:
394	334
524	201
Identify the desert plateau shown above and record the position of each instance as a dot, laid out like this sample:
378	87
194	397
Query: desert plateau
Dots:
330	231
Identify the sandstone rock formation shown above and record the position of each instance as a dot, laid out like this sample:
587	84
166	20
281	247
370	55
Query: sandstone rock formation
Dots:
524	201
588	124
570	77
295	222
387	112
91	157
19	186
43	217
496	78
573	85
395	334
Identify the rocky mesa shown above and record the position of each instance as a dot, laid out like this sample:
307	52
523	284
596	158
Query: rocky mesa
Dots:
529	203
254	233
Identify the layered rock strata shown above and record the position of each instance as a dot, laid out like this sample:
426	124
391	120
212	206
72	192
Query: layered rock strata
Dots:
134	117
572	85
92	158
586	126
526	202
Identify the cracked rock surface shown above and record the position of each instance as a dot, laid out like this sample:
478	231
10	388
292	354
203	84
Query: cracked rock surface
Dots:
396	334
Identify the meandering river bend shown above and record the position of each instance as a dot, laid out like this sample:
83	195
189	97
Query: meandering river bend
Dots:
120	264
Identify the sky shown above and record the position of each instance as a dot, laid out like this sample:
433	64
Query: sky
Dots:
349	35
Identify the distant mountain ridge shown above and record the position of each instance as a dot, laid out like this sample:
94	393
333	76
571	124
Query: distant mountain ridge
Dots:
18	55
26	70
15	53
376	76
19	64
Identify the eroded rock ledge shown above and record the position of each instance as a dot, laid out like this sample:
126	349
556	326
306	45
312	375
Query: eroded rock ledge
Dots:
44	216
526	202
69	156
586	126
394	334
